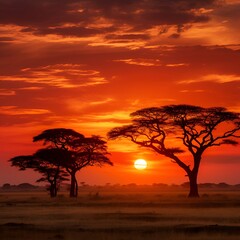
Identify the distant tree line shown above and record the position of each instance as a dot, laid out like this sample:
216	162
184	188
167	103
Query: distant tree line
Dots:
161	129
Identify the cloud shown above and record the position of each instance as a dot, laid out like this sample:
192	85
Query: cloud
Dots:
79	18
176	64
132	24
141	62
59	75
7	92
150	62
127	36
218	78
191	91
76	105
30	88
6	39
104	101
115	116
14	110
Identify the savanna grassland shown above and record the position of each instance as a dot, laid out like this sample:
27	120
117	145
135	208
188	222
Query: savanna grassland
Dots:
125	214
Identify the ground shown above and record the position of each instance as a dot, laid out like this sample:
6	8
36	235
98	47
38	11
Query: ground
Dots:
104	215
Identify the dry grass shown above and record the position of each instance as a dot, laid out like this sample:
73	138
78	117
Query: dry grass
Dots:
115	216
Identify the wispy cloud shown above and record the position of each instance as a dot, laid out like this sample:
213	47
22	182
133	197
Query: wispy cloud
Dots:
218	78
104	101
141	62
6	92
14	110
31	88
59	75
76	105
195	91
116	116
177	64
150	62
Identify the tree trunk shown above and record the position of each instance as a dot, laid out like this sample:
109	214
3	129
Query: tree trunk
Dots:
73	188
52	189
76	188
55	188
193	193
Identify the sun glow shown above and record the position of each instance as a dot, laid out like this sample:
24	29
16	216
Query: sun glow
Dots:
140	164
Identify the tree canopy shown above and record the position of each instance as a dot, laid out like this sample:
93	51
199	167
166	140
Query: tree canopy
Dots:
58	137
78	151
198	129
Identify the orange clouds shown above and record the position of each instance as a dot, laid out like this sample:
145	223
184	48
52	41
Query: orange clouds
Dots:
6	92
14	110
141	62
218	78
131	24
59	75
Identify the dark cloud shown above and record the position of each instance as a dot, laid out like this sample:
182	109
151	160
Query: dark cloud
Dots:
229	14
69	31
175	35
6	39
128	36
76	18
229	11
36	13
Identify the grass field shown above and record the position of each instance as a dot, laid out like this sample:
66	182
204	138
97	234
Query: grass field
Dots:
120	215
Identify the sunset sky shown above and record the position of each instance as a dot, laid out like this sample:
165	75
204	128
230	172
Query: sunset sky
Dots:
88	64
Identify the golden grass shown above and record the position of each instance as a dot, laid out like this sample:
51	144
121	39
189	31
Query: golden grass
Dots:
116	215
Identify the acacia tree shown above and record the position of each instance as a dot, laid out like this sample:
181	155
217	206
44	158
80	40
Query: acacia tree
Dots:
50	166
63	139
81	151
198	129
90	151
48	163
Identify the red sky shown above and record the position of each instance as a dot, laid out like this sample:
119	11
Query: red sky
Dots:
87	64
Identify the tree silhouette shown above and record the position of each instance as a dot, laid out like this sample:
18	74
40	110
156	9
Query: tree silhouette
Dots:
80	151
198	129
61	138
48	163
90	151
50	166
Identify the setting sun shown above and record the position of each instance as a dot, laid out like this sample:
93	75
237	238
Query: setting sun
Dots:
140	164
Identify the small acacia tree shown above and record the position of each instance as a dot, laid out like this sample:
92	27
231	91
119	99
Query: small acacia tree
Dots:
50	166
198	128
81	151
48	163
62	139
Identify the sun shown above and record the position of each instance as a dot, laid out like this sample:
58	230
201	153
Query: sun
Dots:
140	164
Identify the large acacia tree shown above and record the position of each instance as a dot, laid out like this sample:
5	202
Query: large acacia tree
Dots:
81	151
197	128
